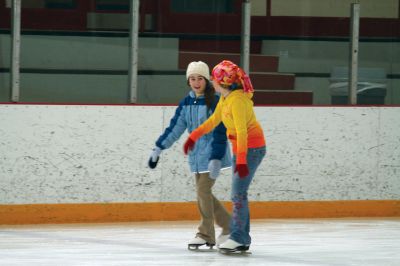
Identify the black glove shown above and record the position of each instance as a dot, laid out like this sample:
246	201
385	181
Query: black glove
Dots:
154	157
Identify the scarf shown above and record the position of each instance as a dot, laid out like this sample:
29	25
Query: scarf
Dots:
229	74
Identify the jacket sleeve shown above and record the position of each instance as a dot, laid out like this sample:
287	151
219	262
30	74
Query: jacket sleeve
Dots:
239	113
176	128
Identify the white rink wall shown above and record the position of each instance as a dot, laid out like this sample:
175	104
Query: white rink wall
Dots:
96	154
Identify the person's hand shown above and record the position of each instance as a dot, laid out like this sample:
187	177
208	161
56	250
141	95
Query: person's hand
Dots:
214	166
154	157
188	146
242	170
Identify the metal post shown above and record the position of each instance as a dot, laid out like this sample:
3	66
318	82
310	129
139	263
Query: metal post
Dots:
245	37
133	50
353	64
15	50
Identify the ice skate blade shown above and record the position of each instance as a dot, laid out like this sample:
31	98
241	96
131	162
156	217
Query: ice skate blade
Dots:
196	247
236	251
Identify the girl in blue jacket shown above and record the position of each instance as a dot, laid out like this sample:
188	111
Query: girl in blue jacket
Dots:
210	154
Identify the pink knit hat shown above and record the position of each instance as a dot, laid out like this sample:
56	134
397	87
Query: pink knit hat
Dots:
228	73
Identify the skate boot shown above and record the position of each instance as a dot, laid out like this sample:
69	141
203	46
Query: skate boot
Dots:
197	242
231	246
221	239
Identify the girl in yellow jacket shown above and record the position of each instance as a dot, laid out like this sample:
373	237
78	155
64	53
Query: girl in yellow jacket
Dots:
235	110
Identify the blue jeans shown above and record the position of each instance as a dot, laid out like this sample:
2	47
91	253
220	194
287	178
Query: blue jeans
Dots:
240	222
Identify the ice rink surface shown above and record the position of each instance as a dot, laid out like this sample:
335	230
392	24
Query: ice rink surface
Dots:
275	242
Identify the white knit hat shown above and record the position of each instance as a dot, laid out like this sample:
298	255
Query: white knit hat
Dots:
199	68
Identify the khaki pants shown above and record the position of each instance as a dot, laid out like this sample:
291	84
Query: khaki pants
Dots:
210	209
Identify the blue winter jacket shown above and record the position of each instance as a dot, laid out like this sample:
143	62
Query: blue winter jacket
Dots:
190	114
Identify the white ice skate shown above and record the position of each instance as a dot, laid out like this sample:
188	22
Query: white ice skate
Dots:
232	247
221	239
197	242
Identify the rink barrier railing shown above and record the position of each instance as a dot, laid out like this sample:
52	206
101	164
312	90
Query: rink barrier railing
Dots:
18	214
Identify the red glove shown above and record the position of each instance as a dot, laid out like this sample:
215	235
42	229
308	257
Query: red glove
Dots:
188	146
242	170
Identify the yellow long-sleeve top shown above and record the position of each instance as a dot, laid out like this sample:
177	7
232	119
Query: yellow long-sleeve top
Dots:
242	128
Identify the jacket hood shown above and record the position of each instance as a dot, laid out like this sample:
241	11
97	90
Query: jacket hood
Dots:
236	93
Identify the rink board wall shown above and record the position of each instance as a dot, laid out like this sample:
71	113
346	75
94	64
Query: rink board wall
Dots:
74	163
